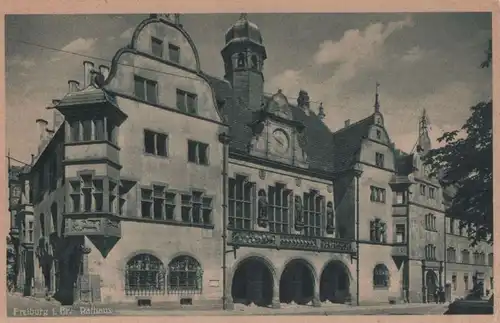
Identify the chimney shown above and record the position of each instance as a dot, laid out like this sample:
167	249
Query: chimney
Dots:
73	86
347	123
87	75
42	126
321	113
104	71
303	101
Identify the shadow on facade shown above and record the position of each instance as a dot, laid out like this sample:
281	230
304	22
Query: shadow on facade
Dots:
297	283
252	283
334	283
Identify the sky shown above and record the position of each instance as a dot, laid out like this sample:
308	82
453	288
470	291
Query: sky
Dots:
421	60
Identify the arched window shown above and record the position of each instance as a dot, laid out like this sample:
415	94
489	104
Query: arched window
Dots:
144	275
185	275
380	276
241	60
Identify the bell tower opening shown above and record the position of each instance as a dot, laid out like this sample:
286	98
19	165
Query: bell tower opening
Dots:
244	55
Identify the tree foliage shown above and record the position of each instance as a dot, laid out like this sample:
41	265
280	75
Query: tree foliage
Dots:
465	168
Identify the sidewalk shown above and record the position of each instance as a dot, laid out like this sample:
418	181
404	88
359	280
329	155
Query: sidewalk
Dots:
285	310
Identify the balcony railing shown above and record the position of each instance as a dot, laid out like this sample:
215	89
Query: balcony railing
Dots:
261	239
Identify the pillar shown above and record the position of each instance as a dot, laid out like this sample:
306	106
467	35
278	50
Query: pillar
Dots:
276	293
316	301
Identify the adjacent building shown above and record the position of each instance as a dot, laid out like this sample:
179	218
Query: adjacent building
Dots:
159	184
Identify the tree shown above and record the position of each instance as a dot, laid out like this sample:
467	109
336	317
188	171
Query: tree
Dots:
465	164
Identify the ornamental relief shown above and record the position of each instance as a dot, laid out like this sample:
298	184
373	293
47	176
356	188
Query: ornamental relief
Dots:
80	225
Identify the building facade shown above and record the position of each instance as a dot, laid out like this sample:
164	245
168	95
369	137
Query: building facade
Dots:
159	184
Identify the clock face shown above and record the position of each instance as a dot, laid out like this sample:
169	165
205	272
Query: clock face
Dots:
280	141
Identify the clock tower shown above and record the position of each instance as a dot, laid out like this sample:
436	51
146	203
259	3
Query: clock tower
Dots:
244	55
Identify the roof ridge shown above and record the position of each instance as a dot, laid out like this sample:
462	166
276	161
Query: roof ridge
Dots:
353	124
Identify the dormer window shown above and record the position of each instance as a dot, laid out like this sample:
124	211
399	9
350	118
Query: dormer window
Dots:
157	47
379	134
174	53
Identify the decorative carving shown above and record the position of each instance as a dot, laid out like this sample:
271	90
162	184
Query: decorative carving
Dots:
253	238
330	218
329	188
298	181
262	174
299	215
112	223
79	225
262	217
85	250
290	242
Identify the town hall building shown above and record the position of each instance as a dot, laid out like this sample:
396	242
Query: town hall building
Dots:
157	184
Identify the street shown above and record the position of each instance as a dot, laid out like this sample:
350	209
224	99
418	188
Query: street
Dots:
27	307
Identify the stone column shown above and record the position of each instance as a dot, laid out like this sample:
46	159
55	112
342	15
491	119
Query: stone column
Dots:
316	302
276	294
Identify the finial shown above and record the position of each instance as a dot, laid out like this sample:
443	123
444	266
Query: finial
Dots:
377	104
280	90
321	113
243	16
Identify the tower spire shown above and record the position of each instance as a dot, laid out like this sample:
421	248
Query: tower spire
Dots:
377	103
424	141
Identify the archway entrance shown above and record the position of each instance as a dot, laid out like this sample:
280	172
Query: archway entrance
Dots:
334	283
252	283
431	284
297	283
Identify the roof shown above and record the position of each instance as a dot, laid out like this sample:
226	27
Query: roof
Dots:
347	142
319	148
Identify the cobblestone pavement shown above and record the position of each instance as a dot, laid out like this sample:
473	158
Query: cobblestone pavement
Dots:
25	307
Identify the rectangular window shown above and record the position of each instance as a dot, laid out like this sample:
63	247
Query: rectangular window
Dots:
155	143
454	281
174	53
430	252
186	102
146	203
422	189
98	193
110	131
145	89
158	202
465	257
400	198
379	160
278	206
122	202
452	226
240	203
313	207
430	222
196	208
466	282
377	194
31	231
157	47
400	233
74	131
432	192
113	192
170	205
197	152
451	255
99	129
87	130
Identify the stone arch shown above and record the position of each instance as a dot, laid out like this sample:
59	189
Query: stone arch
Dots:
144	275
431	284
151	20
138	252
298	280
185	273
335	282
252	280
